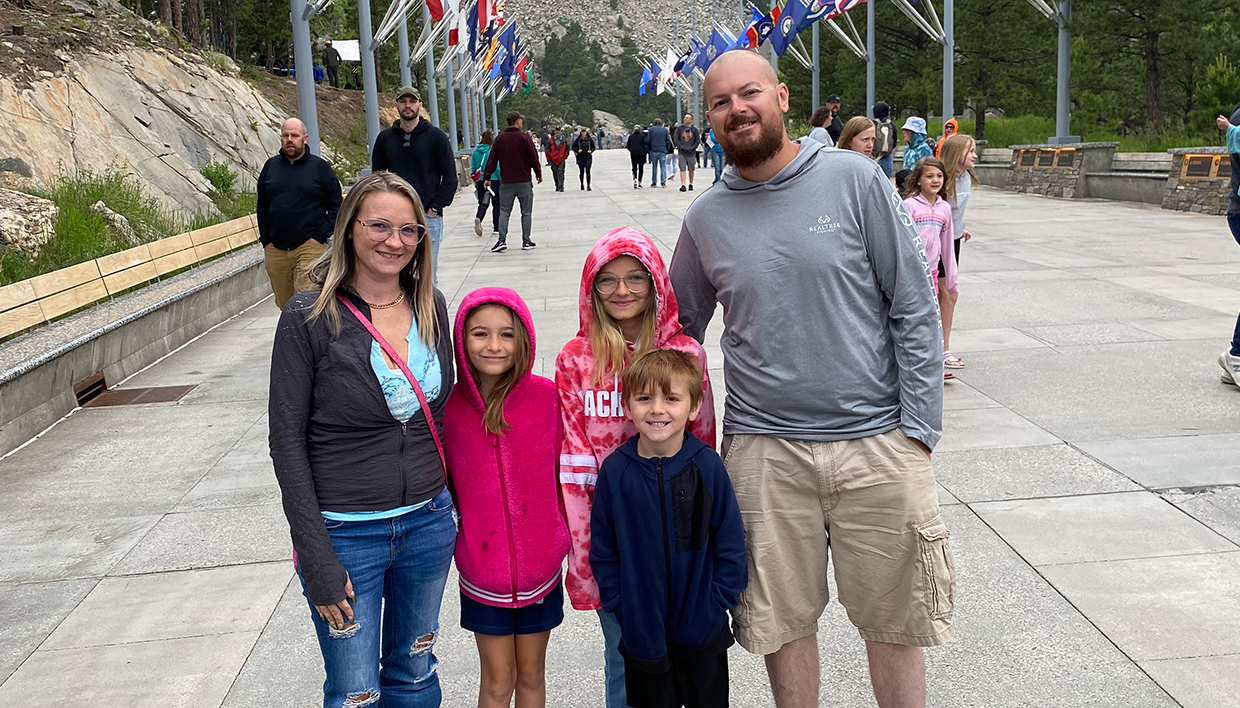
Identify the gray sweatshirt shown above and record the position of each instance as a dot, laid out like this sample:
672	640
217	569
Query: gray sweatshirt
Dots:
831	328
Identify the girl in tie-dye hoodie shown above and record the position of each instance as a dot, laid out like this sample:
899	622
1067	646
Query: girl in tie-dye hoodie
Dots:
626	307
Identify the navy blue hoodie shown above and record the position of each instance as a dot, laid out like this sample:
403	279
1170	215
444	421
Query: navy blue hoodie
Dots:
697	541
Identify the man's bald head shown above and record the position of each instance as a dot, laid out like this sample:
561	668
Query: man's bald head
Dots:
293	139
293	125
752	65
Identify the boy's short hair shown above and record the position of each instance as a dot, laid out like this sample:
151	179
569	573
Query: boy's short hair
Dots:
661	367
901	178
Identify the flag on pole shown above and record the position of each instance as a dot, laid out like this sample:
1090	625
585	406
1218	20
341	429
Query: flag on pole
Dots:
436	8
472	21
646	77
749	38
720	42
788	23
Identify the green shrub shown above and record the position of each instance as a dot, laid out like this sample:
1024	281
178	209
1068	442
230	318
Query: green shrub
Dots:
221	178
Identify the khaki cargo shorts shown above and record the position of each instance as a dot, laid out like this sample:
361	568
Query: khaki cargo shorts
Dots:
874	504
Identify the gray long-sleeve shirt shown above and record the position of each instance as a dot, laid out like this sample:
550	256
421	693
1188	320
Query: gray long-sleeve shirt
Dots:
831	327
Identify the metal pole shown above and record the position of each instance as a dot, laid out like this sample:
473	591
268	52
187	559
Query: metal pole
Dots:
817	74
1063	104
494	112
402	39
451	98
466	118
432	83
949	59
871	96
303	61
370	87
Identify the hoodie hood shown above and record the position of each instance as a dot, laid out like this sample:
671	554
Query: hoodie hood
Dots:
671	465
916	139
881	110
488	296
629	242
809	148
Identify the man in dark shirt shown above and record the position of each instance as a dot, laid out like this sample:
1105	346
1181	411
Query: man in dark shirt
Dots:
836	126
331	62
298	197
422	155
513	152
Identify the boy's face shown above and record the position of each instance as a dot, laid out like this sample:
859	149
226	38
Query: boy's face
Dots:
660	416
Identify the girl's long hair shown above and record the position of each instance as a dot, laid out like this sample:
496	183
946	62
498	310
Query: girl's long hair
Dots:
952	153
854	127
611	352
912	185
522	361
334	269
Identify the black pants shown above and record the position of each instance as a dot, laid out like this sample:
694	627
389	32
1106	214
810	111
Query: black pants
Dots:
584	174
557	173
484	200
639	164
691	683
333	76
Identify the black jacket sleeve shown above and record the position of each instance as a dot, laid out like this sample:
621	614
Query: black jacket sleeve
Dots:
332	198
378	156
445	162
262	211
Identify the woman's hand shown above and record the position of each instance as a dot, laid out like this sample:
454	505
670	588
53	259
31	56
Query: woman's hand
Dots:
339	615
966	235
1222	122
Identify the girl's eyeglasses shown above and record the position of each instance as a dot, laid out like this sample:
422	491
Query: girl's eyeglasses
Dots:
379	230
636	283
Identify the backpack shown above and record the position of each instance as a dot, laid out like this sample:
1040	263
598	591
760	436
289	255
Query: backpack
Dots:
886	142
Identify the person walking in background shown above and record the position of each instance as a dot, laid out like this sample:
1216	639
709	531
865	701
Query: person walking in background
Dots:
583	148
717	160
422	155
639	151
835	127
354	435
557	155
485	195
331	63
298	198
884	138
659	144
959	155
1230	359
627	308
502	444
928	193
858	135
513	154
687	138
818	122
602	137
914	132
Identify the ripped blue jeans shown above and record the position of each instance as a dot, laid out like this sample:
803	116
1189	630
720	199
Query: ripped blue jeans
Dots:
398	567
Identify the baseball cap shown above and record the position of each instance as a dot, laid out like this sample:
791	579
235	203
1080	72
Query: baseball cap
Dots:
915	124
832	98
410	91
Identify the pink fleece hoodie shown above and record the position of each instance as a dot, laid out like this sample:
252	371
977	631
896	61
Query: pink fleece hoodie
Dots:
513	537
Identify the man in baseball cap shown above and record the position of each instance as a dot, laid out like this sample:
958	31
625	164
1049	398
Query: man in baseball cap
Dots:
420	154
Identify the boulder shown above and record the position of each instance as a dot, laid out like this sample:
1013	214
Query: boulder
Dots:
117	223
27	222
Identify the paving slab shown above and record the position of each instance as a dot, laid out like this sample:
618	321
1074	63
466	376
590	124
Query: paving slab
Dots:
1024	473
285	667
1212	328
1186	461
209	539
1199	682
976	428
233	485
1093	333
170	605
191	671
1218	508
37	551
40	607
1099	527
992	340
961	396
1159	608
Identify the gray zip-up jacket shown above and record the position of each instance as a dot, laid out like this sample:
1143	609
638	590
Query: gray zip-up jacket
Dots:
831	328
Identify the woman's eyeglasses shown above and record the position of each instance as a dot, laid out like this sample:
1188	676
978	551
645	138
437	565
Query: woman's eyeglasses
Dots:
636	283
379	230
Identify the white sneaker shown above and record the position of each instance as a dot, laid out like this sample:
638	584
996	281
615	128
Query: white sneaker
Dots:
1231	368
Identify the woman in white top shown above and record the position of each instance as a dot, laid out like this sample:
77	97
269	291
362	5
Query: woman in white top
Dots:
959	154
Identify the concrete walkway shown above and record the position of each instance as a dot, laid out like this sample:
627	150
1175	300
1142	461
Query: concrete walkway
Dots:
1089	477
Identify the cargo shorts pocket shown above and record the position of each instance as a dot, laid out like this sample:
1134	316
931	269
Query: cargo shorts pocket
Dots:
938	569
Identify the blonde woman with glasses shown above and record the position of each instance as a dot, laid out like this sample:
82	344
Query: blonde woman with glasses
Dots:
360	373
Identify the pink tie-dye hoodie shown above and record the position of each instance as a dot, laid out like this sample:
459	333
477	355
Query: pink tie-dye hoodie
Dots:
513	536
593	415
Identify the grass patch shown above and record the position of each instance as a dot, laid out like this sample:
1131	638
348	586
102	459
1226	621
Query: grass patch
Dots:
83	235
350	155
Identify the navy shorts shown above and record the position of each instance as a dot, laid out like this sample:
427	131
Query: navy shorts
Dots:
542	616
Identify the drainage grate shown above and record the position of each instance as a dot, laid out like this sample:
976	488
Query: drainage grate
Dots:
89	387
135	396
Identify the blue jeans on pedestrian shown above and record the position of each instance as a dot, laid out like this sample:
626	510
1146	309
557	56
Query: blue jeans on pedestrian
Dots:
398	568
658	165
1233	221
613	663
716	161
887	162
434	229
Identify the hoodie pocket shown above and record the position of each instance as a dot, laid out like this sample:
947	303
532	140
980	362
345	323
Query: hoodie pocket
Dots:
691	511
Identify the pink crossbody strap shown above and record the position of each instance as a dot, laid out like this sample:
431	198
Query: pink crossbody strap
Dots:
404	368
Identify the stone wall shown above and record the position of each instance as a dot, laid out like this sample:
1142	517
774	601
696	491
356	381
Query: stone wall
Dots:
1057	170
1199	180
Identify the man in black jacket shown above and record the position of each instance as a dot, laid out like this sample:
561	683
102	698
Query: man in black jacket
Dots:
298	197
420	154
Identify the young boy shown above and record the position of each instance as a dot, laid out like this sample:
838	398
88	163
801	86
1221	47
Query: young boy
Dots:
667	545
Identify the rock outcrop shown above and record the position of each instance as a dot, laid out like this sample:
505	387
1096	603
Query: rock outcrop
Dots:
147	110
26	222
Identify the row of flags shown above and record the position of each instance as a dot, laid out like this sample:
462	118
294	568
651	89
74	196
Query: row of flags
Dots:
779	26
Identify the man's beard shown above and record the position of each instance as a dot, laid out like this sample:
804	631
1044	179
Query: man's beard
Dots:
408	114
769	141
294	151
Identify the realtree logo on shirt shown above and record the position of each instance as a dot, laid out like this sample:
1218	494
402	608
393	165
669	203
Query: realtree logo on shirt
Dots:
603	404
824	226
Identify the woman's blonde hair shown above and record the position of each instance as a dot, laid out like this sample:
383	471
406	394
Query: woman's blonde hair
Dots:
334	269
952	153
854	127
611	352
522	361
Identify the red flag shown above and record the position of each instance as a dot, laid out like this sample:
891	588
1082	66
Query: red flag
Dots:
484	15
436	8
521	68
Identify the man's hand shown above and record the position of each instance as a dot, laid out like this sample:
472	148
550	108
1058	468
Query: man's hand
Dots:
966	235
486	184
540	180
1222	122
269	246
432	212
922	446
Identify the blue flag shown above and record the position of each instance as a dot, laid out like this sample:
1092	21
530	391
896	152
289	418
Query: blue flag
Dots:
641	90
786	28
473	31
719	43
818	10
699	54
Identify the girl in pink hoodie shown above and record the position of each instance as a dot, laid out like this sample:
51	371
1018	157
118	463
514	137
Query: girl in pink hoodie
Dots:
928	196
502	440
627	308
